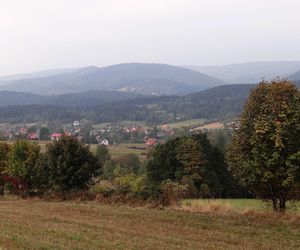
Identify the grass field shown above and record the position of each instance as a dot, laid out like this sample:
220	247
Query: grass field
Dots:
122	123
211	126
29	224
238	204
187	123
115	150
124	148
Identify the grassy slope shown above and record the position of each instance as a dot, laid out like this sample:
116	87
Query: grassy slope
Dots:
66	225
187	123
238	204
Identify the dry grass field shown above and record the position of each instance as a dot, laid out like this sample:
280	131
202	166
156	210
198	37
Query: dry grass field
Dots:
35	224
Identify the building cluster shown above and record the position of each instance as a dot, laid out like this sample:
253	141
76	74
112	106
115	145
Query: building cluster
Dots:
109	134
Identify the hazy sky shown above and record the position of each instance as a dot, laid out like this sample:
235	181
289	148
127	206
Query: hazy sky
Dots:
43	34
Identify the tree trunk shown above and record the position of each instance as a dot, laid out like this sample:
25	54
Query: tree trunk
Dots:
282	206
279	204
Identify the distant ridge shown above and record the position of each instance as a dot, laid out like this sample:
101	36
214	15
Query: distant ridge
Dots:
295	76
154	79
251	72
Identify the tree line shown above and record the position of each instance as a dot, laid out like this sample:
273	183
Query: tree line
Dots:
261	161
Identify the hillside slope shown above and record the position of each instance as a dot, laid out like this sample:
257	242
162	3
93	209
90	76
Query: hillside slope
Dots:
154	79
82	99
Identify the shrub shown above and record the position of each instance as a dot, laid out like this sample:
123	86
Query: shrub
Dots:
70	164
172	191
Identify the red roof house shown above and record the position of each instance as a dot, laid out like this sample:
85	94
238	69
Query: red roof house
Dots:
56	136
33	136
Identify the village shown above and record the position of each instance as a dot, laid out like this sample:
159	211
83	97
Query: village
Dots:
111	134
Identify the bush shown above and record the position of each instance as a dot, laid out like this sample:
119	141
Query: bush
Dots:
172	192
22	163
103	187
70	164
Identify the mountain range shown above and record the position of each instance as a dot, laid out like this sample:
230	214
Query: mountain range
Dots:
150	79
251	72
217	103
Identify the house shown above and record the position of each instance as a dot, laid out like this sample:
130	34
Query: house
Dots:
104	142
34	136
22	130
151	142
76	123
56	136
68	132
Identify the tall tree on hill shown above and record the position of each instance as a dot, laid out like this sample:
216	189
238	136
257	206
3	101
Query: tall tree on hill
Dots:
265	152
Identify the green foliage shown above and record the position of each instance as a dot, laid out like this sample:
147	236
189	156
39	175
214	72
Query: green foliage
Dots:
265	152
129	163
187	160
172	191
70	164
102	154
4	150
22	162
44	133
204	190
109	170
103	187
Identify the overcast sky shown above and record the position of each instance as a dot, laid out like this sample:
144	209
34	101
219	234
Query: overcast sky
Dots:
44	34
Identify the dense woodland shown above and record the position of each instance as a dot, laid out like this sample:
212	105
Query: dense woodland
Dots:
216	103
222	102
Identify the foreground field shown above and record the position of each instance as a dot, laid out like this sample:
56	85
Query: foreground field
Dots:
69	225
239	205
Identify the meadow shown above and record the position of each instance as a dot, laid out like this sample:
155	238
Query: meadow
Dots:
186	123
237	205
116	150
36	224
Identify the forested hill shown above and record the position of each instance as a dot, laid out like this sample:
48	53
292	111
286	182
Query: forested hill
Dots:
220	102
144	78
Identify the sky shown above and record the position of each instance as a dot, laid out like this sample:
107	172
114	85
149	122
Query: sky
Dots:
37	35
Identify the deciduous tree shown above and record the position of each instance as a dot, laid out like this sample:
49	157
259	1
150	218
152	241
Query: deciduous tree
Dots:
265	152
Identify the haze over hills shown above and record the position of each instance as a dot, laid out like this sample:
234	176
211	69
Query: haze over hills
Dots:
82	99
38	74
154	79
218	103
251	72
295	76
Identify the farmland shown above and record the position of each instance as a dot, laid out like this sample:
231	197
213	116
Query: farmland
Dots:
35	224
115	150
122	149
186	123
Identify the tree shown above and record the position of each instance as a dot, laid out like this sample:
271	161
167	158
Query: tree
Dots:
70	164
265	152
129	163
102	154
22	160
4	150
44	133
